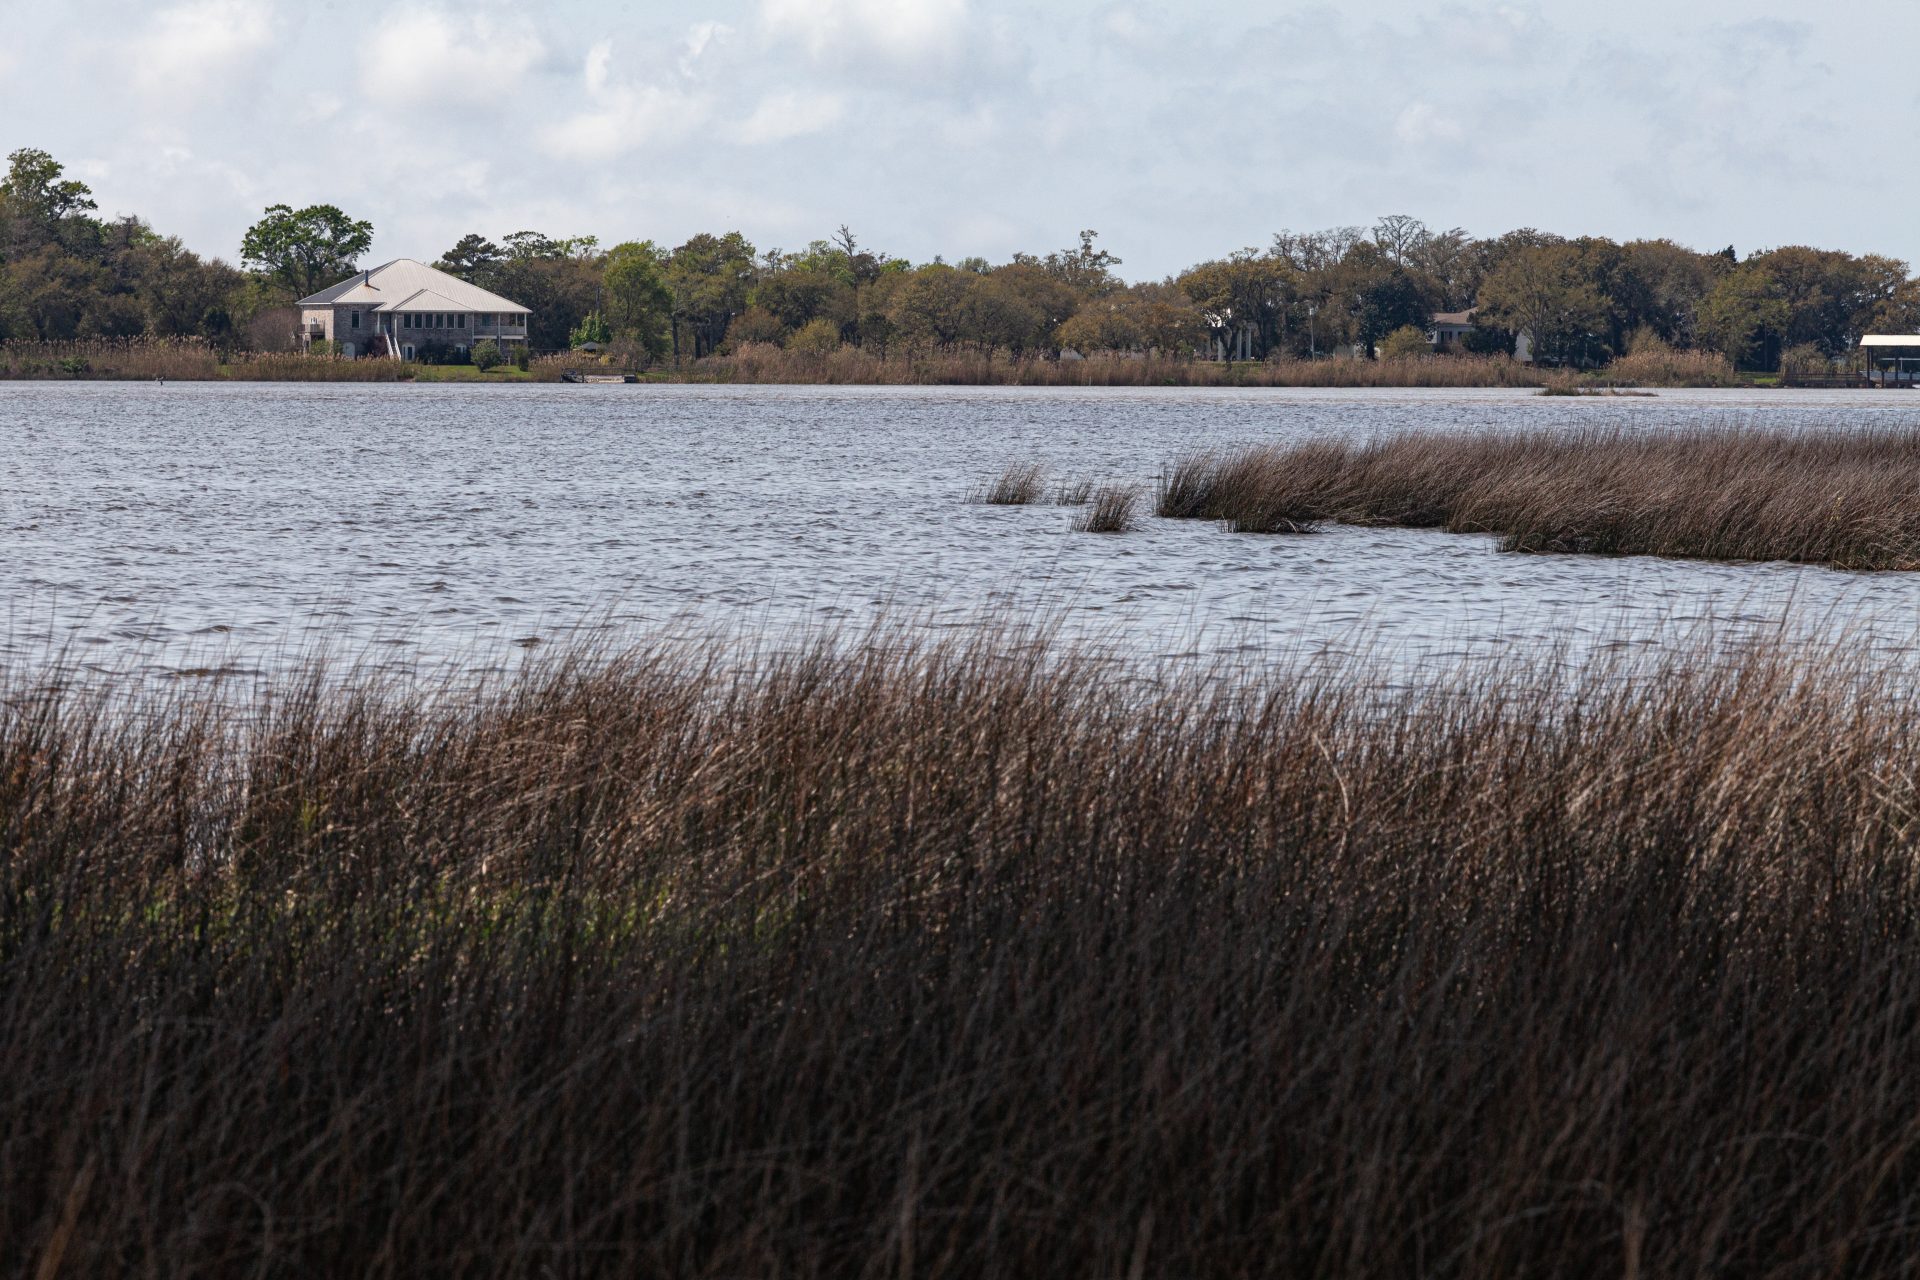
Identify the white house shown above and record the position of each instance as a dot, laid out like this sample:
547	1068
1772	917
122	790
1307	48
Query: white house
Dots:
395	310
1450	329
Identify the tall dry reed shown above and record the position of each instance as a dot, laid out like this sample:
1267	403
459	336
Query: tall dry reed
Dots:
765	363
1019	484
183	360
1112	508
971	961
1848	498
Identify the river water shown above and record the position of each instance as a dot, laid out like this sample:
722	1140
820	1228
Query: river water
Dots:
191	527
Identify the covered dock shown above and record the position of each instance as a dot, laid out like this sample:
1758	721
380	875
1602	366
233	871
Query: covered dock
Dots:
1892	359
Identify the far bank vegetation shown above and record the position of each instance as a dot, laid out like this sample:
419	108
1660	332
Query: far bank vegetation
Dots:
1345	306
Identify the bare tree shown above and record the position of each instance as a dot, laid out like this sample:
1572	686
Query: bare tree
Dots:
1399	235
1316	250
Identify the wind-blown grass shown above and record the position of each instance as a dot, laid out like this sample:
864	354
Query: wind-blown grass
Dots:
1019	484
1845	498
1112	509
1073	493
971	961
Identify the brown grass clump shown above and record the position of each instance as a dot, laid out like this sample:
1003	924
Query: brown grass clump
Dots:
1655	365
1073	493
1112	509
967	962
1850	499
1019	484
1254	490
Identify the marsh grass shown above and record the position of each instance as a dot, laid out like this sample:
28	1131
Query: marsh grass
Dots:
1113	508
1073	493
766	363
1250	489
1847	498
975	960
197	360
1019	484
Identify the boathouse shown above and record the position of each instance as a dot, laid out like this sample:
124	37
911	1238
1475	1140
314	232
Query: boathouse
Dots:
1893	359
402	308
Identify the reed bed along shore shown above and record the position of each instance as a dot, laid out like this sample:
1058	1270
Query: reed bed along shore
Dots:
764	363
196	360
1846	498
966	961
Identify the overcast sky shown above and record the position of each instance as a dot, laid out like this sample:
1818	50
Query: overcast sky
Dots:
1180	131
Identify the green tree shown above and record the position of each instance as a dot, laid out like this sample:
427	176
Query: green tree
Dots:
475	259
34	188
305	249
1540	291
639	305
711	278
591	329
1246	299
1405	343
1745	318
1105	325
930	307
553	279
486	355
818	336
1084	269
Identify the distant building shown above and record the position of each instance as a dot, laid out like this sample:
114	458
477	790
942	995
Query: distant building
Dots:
1893	359
1449	330
396	310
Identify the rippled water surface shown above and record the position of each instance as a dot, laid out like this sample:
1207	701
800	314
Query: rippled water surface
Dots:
166	528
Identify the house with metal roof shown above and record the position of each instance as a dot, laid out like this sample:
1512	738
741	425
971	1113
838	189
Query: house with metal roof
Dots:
403	308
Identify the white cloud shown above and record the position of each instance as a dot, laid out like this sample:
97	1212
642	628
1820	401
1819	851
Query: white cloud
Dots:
781	116
426	56
1422	124
701	36
624	116
897	31
189	50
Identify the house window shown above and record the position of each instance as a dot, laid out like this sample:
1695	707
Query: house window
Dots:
463	321
356	320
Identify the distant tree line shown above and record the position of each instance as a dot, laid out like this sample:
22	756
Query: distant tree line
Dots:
66	273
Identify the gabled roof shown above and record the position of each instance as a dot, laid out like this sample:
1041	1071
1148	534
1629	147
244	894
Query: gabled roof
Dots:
428	300
392	285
